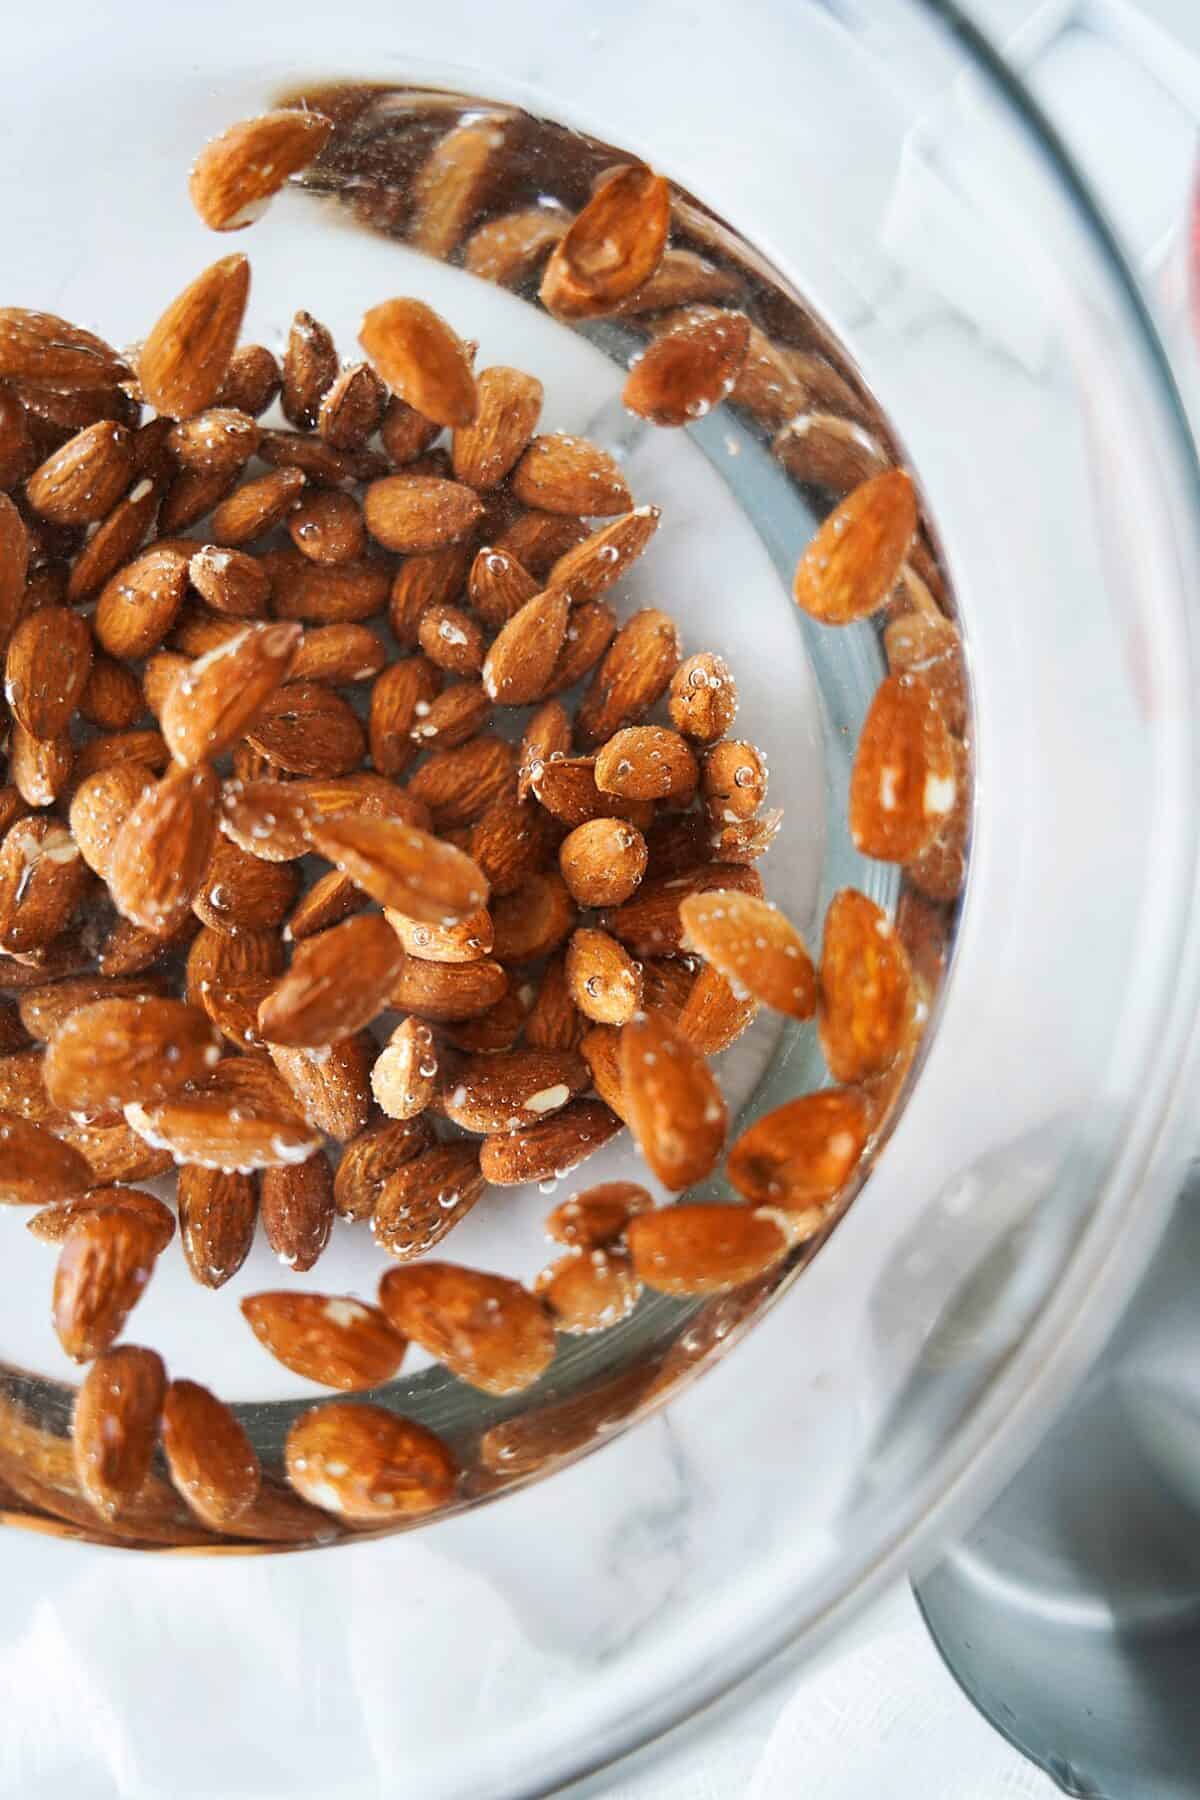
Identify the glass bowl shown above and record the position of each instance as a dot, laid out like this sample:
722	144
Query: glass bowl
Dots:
939	255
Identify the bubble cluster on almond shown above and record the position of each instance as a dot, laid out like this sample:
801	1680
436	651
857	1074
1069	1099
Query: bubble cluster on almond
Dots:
234	650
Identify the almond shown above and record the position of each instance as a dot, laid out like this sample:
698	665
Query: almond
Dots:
533	920
35	1167
453	717
46	351
404	1078
241	892
676	1110
509	1089
499	586
114	1427
353	408
562	474
930	647
547	737
512	843
509	247
459	785
419	512
367	1161
602	978
40	768
106	1259
704	1249
596	1218
82	482
317	460
322	595
636	671
603	861
509	405
681	277
220	438
704	701
368	1465
487	1330
243	1118
553	1022
232	582
421	1202
331	898
421	360
333	1084
162	849
235	174
851	565
402	867
523	657
112	695
444	992
210	1458
218	1212
589	1290
405	433
650	925
452	640
867	993
43	880
327	528
566	787
116	539
339	655
903	786
647	762
537	539
496	1028
130	949
338	982
191	494
53	1224
467	941
18	456
184	358
590	630
256	507
802	1154
688	370
756	948
44	1009
115	1051
734	781
590	568
139	604
303	727
23	1090
713	1016
613	246
310	366
820	449
332	1339
297	1210
396	697
14	560
548	1150
940	870
252	380
207	709
451	182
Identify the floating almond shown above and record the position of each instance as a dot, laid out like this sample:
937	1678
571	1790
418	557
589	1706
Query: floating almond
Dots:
589	1290
487	1330
756	948
602	978
548	1150
563	474
320	594
47	666
734	781
111	696
507	248
39	768
36	1167
554	1023
218	1213
402	867
533	920
46	351
114	1051
328	1338
588	569
452	181
184	359
235	174
162	849
252	380
257	506
243	1118
208	708
211	1460
367	1464
801	1154
367	1161
297	1210
138	605
650	924
338	982
14	559
522	659
352	408
421	1202
676	1110
499	586
866	989
241	892
636	671
612	247
713	1016
421	360
333	1084
221	438
53	1223
484	451
81	482
43	879
903	786
603	861
509	1089
105	1262
305	728
566	787
452	717
467	941
310	366
419	512
404	1077
537	539
851	565
646	762
688	370
114	1427
704	1249
459	785
452	640
327	528
704	701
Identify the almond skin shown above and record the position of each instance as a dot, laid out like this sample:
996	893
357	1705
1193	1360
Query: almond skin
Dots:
590	568
46	351
507	248
562	474
452	182
612	247
688	370
487	1330
597	1217
603	861
424	1200
139	604
602	978
232	582
316	594
210	1458
802	1154
367	1161
54	1222
755	947
459	785
368	1465
509	406
397	697
589	1290
676	1110
704	1249
327	528
647	762
114	1051
402	867
186	354
413	513
241	892
115	1425
105	1262
162	849
306	729
421	359
508	1089
297	1211
566	787
904	783
36	1167
712	1016
81	482
852	563
338	982
522	659
332	1085
540	1152
635	672
218	1213
235	174
404	1076
208	708
452	640
867	997
220	438
328	1338
444	992
245	1117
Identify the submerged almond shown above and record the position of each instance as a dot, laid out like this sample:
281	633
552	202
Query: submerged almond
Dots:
235	174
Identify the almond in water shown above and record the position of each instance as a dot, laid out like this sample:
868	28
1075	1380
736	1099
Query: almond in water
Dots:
801	1154
686	1250
329	1338
236	174
489	1331
114	1427
211	1460
676	1110
368	1465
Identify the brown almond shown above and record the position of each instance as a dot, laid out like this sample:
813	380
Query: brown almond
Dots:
339	655
82	482
537	539
566	787
688	370
368	1160
40	768
331	898
297	1210
459	785
647	762
241	892
445	992
14	561
404	432
635	672
563	474
352	408
329	1338
453	717
332	1085
499	586
496	1028
256	507
452	640
589	1290
904	783
681	279
310	366
533	920
341	594
220	438
452	181
713	1016
756	948
424	1200
821	449
487	1330
116	539
236	174
589	569
596	1218
704	1249
320	462
218	1213
18	455
114	1427
115	1153
210	1458
54	1222
305	728
43	1009
208	708
106	1259
368	1465
467	940
100	806
421	359
512	842
523	657
404	1076
613	246
232	582
43	879
191	494
549	1149
703	702
553	1022
547	737
509	405
327	528
509	1089
602	978
338	982
46	351
851	565
602	862
867	995
396	697
36	1167
650	925
115	1051
931	647
111	697
23	1090
420	512
676	1110
162	849
402	867
506	249
802	1154
252	380
734	781
590	630
130	949
184	358
244	1117
139	604
229	973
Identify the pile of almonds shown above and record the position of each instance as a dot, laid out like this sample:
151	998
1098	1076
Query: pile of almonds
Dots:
218	872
